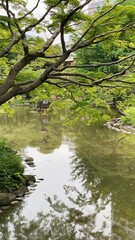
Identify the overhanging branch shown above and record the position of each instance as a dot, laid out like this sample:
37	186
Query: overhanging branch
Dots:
96	65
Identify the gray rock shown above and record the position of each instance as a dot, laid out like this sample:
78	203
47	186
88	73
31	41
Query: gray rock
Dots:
6	198
34	166
14	202
21	192
18	199
37	181
27	194
28	160
31	183
33	187
31	164
41	179
30	178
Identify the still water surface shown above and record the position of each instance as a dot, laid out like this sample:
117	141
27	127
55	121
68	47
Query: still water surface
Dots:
88	191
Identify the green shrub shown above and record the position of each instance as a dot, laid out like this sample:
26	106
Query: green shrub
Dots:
129	119
11	169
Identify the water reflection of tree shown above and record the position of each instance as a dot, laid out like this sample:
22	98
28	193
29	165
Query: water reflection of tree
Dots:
72	221
33	129
109	152
8	219
122	191
105	164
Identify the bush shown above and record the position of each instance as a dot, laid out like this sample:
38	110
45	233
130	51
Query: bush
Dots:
129	119
11	169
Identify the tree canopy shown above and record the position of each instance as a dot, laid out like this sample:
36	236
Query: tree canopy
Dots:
101	46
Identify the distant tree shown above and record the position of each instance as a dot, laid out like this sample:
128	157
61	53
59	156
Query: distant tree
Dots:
129	2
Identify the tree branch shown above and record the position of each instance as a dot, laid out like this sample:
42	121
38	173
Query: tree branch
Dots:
67	18
31	11
94	82
28	28
92	40
96	65
57	75
9	82
74	47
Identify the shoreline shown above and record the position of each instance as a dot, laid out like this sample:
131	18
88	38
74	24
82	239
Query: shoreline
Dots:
8	198
116	124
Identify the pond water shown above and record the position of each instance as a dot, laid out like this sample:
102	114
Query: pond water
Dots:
88	186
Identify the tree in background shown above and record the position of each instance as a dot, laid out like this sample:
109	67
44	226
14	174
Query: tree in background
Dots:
27	62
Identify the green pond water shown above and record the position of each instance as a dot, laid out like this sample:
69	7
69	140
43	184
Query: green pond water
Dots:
88	191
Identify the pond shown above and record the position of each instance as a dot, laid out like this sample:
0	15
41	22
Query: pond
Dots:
85	176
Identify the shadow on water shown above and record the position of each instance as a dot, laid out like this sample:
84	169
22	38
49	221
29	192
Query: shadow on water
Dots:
88	190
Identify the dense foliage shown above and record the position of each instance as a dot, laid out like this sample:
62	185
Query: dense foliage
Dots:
11	169
100	47
129	119
115	85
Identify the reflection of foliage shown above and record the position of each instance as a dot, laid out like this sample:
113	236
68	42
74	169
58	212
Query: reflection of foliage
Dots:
73	222
107	151
36	130
7	220
104	162
104	159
